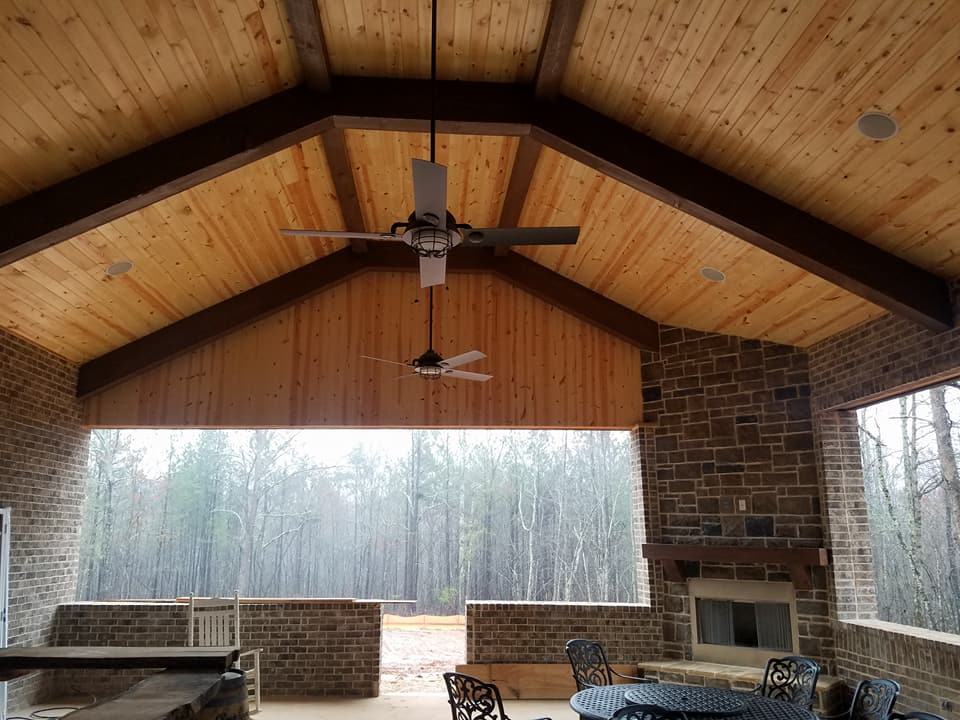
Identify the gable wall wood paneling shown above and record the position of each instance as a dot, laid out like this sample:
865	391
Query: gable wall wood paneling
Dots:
302	367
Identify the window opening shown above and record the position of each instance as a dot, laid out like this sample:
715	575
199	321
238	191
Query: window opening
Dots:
909	457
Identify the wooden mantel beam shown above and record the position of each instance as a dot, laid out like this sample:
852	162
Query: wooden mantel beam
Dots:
281	292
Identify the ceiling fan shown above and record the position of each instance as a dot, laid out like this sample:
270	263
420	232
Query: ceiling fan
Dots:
431	366
431	230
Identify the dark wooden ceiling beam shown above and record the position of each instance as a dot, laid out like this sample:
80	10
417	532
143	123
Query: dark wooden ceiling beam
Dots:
304	17
217	320
744	211
521	176
556	47
341	171
579	301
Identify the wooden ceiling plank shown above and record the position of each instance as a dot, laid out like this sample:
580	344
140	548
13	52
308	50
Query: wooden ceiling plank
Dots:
307	30
158	171
744	211
217	320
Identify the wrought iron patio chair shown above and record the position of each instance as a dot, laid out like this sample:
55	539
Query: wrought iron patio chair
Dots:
590	666
473	699
872	700
647	712
215	622
792	679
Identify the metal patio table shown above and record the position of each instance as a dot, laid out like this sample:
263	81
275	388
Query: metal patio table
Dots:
600	703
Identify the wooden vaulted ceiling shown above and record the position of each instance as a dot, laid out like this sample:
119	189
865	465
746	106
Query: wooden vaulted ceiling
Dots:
180	135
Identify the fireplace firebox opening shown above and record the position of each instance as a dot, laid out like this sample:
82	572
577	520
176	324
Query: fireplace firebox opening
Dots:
742	622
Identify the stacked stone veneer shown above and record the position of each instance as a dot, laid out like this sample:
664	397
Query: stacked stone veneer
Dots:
730	423
881	358
328	648
518	632
43	455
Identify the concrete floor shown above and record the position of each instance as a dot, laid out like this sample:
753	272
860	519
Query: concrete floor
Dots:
400	707
385	707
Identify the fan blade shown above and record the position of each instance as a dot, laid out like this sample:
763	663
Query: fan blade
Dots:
433	271
392	362
340	234
464	375
430	192
463	359
521	236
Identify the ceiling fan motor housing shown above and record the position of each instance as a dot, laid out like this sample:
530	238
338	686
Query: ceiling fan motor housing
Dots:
428	239
428	365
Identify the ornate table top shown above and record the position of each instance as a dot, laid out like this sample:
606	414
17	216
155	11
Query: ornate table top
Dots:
691	699
600	703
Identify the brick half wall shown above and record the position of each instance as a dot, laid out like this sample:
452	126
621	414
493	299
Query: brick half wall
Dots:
309	648
925	663
519	632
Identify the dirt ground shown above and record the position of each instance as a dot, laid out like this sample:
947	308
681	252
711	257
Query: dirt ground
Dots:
414	659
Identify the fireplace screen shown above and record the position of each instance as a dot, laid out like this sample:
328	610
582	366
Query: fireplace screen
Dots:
762	625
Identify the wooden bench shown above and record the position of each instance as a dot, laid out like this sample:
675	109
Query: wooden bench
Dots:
168	695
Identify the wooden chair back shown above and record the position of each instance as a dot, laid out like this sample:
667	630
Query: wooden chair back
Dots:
213	622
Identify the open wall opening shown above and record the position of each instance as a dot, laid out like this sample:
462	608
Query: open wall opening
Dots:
434	516
909	450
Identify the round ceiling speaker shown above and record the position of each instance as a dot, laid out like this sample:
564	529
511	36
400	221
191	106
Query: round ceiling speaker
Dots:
121	267
712	274
877	126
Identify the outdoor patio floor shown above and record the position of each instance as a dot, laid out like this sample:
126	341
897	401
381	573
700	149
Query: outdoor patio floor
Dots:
385	707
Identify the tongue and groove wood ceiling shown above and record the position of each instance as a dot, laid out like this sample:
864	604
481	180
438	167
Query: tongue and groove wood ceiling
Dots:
765	92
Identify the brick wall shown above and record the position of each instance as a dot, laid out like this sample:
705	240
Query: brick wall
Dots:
886	356
43	454
330	648
518	632
730	421
926	664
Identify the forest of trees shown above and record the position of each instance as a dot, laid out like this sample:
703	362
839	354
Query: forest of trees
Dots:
909	454
521	515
